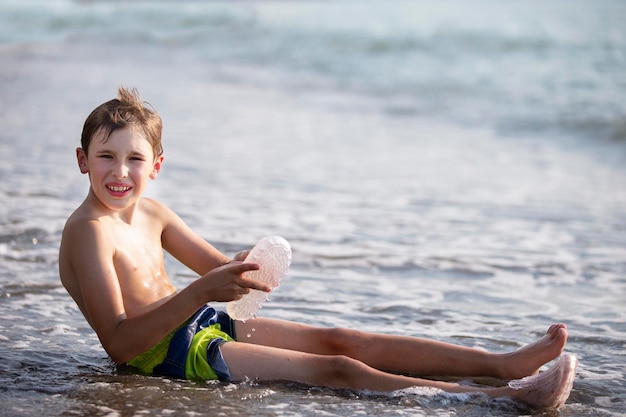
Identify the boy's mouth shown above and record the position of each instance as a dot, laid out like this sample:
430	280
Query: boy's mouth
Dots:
118	189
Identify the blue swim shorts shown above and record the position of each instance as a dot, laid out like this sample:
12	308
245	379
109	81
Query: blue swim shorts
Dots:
193	350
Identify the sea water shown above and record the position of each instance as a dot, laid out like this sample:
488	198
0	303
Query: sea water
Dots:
444	169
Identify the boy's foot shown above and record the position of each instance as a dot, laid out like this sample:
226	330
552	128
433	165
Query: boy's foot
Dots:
549	389
527	360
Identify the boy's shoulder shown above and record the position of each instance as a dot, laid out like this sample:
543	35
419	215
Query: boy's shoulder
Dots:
86	217
81	226
152	207
83	216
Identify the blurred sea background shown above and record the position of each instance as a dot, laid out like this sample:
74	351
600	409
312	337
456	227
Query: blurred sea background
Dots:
445	169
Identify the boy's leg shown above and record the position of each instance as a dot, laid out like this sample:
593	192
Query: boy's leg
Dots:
549	389
411	355
265	363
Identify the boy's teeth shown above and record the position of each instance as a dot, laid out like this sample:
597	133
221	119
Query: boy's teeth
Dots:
118	189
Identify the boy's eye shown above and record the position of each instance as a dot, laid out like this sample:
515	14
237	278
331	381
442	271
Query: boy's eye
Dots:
105	156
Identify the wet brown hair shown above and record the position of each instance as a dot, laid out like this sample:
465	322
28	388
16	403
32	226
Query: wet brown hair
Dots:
127	110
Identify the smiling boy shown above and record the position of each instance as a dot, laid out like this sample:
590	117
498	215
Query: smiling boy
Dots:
111	262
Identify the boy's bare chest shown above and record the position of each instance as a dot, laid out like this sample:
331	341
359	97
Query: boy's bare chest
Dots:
138	247
139	266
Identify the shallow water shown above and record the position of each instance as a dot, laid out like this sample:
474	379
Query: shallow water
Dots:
475	206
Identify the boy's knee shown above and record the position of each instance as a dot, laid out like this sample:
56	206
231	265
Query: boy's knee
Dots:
339	370
338	341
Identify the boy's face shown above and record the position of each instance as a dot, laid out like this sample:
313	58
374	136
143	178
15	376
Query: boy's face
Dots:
119	168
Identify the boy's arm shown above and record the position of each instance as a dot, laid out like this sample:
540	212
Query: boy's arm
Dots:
186	246
91	255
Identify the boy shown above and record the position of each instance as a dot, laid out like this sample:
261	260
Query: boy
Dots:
111	263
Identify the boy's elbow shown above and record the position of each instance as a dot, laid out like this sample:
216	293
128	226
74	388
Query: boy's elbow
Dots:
119	354
119	358
119	345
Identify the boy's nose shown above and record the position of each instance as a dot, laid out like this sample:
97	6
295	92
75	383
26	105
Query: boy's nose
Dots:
120	171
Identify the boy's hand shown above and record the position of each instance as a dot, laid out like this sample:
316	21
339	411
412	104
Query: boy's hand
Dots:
241	255
226	282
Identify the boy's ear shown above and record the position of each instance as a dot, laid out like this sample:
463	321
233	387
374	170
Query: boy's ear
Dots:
81	157
156	168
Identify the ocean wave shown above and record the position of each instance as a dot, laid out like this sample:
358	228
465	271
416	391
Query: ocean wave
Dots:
30	235
558	70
